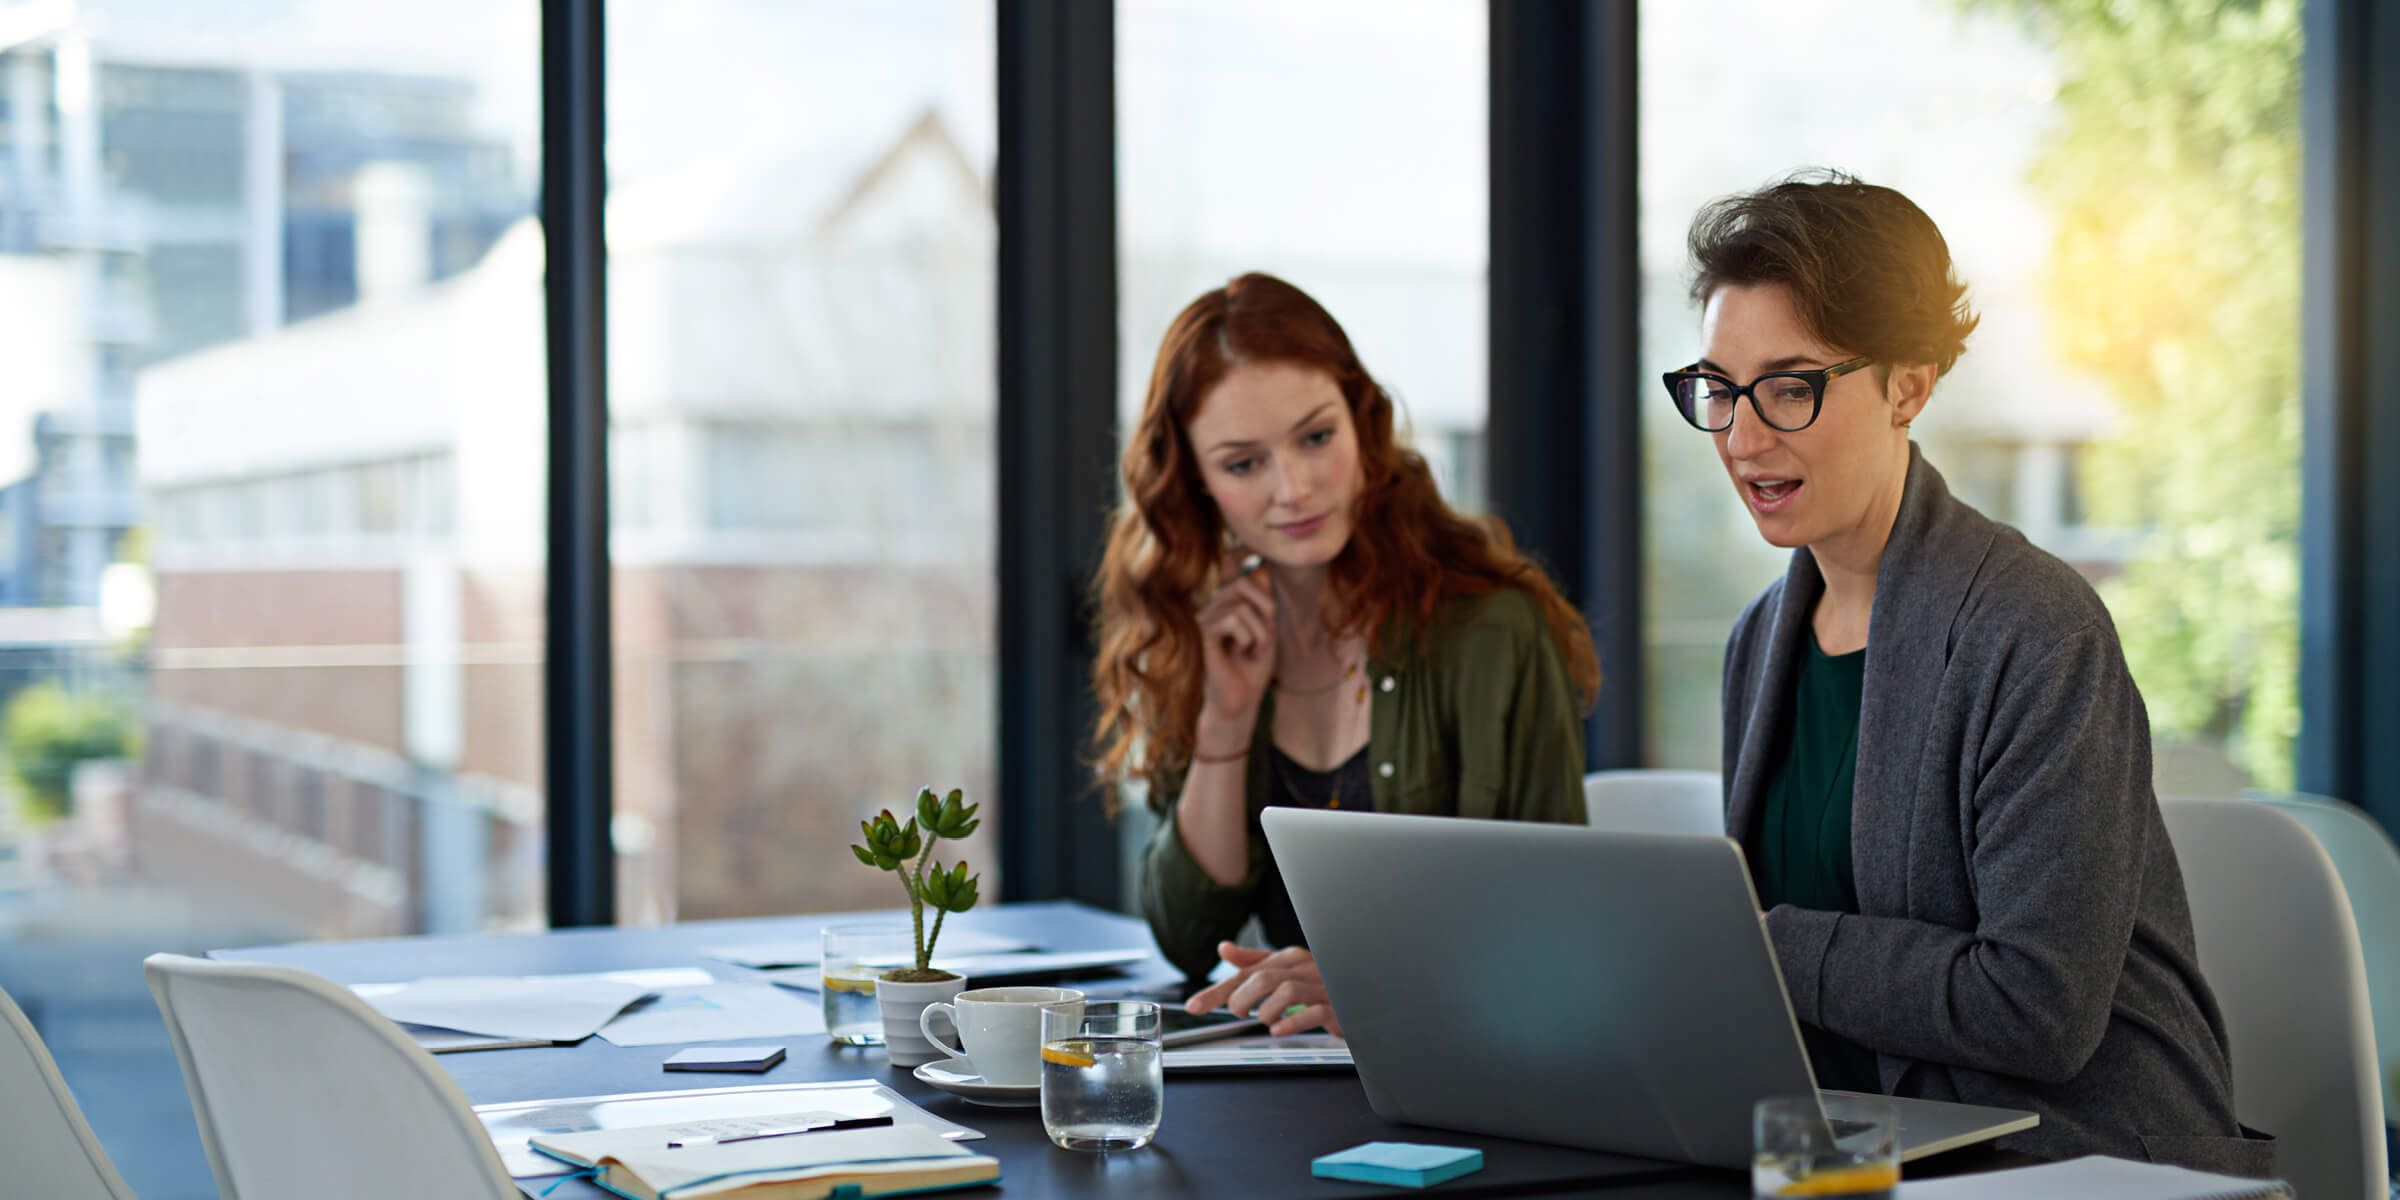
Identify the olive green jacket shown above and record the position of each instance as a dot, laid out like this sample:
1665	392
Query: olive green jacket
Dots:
1476	719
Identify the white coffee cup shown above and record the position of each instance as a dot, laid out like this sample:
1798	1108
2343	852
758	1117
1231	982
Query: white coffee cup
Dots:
1001	1028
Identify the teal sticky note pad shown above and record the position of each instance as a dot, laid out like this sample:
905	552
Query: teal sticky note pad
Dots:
1398	1164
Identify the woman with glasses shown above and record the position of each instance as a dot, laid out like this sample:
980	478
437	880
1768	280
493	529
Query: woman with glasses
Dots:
1290	614
1935	758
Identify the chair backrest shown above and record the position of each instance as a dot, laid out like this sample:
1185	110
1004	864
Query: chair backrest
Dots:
2363	855
2280	950
47	1146
303	1091
1655	802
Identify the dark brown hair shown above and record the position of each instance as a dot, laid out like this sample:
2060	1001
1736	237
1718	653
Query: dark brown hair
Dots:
1867	269
1408	552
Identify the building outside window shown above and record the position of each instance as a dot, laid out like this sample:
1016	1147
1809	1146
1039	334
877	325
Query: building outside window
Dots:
243	652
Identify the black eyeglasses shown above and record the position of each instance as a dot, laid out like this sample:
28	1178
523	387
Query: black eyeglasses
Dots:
1785	400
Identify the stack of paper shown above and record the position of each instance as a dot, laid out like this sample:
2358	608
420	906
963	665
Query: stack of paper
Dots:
1300	1051
983	968
768	955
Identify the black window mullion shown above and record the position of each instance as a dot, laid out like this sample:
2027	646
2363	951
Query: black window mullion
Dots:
1564	438
576	699
1057	311
2350	404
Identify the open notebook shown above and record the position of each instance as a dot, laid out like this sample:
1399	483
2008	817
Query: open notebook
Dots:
855	1162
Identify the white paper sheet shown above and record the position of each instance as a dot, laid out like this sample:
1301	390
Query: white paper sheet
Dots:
2096	1177
555	1010
719	1013
649	979
451	1041
806	953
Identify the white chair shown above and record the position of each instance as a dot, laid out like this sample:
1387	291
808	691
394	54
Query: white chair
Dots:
303	1091
1641	801
46	1145
2280	950
2369	865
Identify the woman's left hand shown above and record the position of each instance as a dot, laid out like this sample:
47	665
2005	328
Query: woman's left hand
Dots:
1279	987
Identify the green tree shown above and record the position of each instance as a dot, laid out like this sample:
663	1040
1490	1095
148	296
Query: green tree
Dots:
47	730
2174	176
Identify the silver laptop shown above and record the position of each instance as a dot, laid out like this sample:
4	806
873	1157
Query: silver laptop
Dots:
1613	991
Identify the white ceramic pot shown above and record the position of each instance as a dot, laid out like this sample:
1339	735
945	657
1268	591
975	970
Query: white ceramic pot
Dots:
903	1040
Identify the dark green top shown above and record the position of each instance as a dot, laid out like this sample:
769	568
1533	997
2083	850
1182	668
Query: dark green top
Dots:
1803	842
1475	719
1801	849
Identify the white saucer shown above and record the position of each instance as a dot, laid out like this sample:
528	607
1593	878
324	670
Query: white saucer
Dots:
957	1076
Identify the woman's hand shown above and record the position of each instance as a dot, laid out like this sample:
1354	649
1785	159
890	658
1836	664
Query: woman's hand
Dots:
1280	987
1237	638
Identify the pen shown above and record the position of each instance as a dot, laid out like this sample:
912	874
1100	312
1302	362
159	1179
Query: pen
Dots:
818	1127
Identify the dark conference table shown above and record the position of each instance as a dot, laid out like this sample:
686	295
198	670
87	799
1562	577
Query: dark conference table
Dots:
1222	1135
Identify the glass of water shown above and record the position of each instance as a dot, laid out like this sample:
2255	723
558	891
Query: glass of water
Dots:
1101	1087
1842	1146
853	956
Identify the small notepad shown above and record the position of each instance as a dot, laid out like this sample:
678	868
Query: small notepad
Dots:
726	1058
1398	1164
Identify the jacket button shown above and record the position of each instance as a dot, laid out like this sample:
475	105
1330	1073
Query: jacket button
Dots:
1388	684
1385	770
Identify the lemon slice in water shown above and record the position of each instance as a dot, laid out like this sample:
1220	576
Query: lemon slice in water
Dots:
1863	1179
1068	1054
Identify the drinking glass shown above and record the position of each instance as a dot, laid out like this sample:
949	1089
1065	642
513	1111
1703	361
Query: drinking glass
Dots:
853	956
1849	1147
1101	1086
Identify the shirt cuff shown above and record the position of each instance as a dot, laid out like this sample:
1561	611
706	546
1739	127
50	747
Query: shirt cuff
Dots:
1801	937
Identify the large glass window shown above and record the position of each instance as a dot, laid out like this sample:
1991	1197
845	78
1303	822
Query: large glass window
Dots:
801	272
1341	145
2118	185
269	622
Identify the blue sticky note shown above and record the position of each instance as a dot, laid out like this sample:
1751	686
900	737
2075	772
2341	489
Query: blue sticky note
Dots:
1398	1164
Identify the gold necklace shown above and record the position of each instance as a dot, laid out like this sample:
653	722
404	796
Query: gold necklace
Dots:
1333	799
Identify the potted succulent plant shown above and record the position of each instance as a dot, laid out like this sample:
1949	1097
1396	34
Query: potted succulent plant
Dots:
907	850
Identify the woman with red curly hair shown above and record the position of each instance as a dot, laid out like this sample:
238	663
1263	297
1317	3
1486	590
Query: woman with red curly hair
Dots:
1289	614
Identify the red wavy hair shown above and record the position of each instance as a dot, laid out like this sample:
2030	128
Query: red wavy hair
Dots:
1408	551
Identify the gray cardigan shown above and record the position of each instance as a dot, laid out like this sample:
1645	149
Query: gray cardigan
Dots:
2022	937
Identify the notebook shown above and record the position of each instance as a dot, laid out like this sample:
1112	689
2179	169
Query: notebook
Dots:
861	1162
2099	1179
